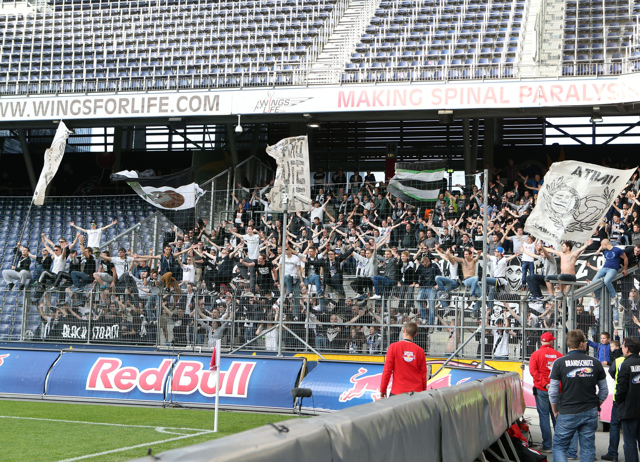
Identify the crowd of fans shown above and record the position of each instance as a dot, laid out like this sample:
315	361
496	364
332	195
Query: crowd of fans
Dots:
357	260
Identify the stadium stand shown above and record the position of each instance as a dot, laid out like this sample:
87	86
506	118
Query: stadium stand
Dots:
428	40
600	38
78	46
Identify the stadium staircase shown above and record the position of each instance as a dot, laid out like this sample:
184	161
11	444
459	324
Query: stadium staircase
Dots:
550	31
327	68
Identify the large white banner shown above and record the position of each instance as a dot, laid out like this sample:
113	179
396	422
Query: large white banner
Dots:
376	97
292	159
52	159
574	198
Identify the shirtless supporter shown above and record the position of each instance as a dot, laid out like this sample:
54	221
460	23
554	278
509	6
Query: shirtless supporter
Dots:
568	259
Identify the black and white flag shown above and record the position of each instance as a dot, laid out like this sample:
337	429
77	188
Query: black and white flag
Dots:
573	200
418	183
177	191
52	158
292	160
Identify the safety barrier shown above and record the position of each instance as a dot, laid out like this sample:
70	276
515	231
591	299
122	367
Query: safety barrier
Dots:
398	428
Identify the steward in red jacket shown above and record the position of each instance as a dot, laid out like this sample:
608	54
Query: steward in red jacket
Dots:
407	363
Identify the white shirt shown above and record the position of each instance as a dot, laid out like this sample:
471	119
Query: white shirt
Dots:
93	237
188	273
531	248
291	265
123	265
498	267
317	212
253	245
59	263
501	345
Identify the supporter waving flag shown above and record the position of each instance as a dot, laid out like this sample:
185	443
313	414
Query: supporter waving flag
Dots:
418	183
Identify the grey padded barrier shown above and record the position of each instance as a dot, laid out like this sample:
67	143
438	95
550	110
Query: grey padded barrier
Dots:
515	397
387	430
442	425
464	416
496	393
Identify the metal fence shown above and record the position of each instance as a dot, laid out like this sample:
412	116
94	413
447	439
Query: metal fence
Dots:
159	312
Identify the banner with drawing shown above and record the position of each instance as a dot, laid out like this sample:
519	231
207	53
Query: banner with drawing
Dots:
573	200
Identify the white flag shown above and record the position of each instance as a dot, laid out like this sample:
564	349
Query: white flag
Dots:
573	200
52	159
292	160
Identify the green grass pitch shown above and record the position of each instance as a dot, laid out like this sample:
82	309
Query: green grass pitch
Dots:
42	431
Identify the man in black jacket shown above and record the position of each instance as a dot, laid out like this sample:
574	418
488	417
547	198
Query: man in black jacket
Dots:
628	398
19	270
333	271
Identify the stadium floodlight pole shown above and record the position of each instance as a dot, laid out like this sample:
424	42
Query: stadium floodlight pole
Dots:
485	220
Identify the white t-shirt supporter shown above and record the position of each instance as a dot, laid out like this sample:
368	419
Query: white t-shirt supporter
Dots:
291	265
93	237
498	267
531	248
253	245
123	265
59	263
188	273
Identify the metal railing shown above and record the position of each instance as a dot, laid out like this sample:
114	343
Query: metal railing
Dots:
162	315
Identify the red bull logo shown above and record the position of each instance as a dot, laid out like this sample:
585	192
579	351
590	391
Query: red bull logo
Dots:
363	384
107	374
2	359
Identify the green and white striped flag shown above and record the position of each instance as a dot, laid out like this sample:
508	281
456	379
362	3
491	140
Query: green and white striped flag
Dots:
418	183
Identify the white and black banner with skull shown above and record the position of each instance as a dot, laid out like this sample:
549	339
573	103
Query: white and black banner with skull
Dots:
292	160
177	191
176	195
573	200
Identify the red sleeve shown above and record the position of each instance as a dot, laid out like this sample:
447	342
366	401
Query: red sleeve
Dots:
534	367
388	369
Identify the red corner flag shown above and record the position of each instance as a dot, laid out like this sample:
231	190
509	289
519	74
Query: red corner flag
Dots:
215	356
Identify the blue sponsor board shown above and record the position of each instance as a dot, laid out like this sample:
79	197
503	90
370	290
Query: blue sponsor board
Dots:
245	381
248	381
108	375
339	385
24	371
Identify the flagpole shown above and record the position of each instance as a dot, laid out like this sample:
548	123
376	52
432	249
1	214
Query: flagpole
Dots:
485	219
218	346
282	264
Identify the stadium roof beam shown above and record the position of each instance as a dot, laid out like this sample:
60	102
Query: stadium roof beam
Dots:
564	132
629	128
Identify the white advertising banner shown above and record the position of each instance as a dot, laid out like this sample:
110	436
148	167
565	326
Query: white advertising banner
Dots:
455	95
292	160
52	158
573	200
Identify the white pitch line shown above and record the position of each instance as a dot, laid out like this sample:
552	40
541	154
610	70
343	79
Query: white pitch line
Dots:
102	423
135	447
